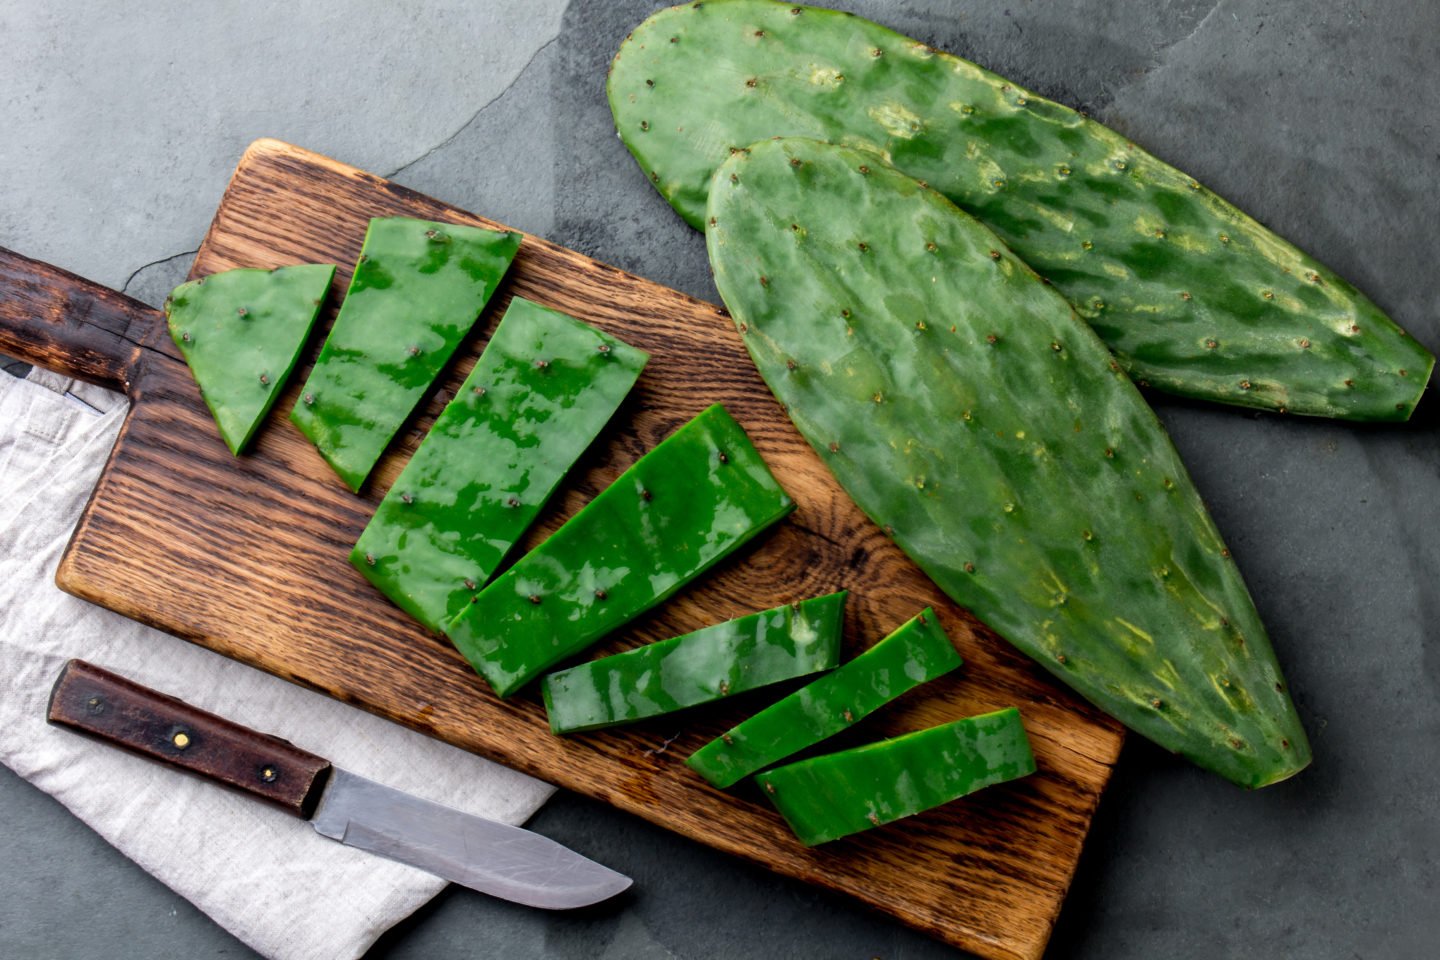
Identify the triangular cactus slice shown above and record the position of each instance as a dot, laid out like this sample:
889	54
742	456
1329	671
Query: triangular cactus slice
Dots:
241	332
967	410
540	393
417	290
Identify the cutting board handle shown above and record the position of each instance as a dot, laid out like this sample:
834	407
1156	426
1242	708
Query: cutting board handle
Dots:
56	320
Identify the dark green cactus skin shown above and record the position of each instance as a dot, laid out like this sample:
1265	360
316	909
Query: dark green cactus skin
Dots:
709	664
1193	296
680	509
833	796
970	413
416	291
917	652
241	332
540	393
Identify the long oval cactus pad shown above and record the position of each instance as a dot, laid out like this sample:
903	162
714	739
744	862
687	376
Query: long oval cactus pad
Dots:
1192	295
915	653
540	393
417	289
698	496
711	663
241	332
968	411
832	796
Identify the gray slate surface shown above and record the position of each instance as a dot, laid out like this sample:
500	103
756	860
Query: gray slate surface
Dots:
119	125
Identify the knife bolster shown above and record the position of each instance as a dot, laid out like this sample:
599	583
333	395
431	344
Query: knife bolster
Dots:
121	712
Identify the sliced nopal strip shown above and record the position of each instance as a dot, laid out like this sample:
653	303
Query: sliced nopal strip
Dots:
917	652
970	413
538	396
838	794
1193	296
417	289
241	332
681	508
709	664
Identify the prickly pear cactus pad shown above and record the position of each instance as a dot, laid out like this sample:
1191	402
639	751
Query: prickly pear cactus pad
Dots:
1191	295
241	332
838	794
417	289
540	393
917	652
680	509
969	412
710	664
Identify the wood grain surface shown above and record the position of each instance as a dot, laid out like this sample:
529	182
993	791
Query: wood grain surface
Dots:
248	557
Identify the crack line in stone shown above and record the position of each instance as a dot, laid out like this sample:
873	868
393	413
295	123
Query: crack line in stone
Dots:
125	288
476	115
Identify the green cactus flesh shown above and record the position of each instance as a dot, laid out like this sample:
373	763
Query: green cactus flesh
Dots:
684	506
1193	296
710	664
540	393
241	332
917	652
417	289
833	796
969	412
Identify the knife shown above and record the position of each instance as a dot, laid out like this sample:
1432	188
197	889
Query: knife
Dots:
495	858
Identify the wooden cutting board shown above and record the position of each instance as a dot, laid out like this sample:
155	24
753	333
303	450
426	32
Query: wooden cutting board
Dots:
248	557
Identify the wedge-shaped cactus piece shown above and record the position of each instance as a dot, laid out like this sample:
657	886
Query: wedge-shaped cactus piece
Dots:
1193	296
241	332
832	796
417	289
684	506
540	393
970	413
709	664
917	652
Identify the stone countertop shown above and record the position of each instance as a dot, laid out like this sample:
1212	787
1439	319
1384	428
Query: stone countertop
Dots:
122	123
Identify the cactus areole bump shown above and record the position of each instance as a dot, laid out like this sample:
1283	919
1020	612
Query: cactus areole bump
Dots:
838	794
687	504
1193	296
241	332
709	664
416	291
975	418
917	652
540	393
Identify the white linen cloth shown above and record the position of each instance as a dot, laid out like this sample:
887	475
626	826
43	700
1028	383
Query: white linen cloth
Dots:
266	877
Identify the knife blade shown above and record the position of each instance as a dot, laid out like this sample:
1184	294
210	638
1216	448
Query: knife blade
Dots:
495	858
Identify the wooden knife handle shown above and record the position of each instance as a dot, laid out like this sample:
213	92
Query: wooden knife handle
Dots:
56	320
125	714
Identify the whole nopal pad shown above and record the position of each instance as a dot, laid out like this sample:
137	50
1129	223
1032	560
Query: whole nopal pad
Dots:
417	289
833	796
917	652
536	399
709	664
1192	295
241	332
684	506
969	412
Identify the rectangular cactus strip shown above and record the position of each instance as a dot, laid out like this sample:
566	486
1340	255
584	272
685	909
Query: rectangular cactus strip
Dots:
698	496
709	664
825	798
969	413
540	393
917	652
417	289
241	332
1193	296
